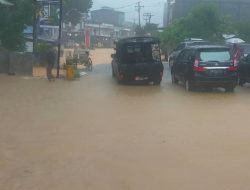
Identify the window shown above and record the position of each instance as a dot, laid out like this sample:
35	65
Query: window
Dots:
138	53
184	55
215	55
180	47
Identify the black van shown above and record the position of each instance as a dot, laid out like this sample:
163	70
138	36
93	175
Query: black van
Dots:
137	59
205	66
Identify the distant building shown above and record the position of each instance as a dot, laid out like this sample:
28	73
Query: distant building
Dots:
108	15
104	27
238	10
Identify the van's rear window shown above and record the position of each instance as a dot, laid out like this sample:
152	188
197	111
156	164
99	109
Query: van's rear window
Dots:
215	55
140	53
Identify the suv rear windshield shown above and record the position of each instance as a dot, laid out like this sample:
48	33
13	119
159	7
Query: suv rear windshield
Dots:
220	55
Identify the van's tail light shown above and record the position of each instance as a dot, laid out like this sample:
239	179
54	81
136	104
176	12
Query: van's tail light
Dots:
198	68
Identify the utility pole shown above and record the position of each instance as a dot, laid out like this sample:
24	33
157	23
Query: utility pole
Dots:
138	6
35	26
59	38
148	17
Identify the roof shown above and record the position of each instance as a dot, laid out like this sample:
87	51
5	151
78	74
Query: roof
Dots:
206	47
192	39
139	40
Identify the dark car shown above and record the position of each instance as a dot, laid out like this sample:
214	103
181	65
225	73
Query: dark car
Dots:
205	66
138	59
187	43
244	70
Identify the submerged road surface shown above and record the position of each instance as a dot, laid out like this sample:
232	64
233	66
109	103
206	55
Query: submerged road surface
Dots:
93	134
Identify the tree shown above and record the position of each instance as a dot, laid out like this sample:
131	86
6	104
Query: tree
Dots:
205	21
72	10
148	29
151	28
12	23
242	30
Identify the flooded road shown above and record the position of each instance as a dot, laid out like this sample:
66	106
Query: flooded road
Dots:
94	134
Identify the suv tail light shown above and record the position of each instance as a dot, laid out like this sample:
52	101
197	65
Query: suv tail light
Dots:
198	68
234	67
235	62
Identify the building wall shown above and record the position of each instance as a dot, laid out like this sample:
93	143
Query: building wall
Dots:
21	63
18	63
108	16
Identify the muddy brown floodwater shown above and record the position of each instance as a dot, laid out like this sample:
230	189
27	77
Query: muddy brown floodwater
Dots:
93	134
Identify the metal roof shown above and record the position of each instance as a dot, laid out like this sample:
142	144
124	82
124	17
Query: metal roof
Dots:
139	40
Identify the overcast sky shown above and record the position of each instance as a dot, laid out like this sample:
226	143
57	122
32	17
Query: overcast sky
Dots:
128	6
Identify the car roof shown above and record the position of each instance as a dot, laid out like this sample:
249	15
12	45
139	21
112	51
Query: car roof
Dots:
192	39
138	40
206	47
244	44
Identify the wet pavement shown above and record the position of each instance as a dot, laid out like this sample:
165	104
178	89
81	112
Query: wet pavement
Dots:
94	134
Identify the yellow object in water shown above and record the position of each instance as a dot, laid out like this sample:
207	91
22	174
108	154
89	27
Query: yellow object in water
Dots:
69	72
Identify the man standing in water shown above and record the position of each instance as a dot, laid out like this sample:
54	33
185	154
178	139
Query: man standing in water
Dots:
51	58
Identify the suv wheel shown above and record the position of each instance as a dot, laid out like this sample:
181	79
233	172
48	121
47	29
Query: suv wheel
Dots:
173	78
230	89
189	86
241	82
170	63
113	72
157	82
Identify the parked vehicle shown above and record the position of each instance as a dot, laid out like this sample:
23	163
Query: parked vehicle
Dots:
186	43
244	49
138	59
244	70
205	66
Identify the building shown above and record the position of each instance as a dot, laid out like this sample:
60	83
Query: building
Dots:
238	10
101	35
103	27
168	12
108	15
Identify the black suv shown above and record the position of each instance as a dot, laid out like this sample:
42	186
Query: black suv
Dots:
187	42
205	66
137	59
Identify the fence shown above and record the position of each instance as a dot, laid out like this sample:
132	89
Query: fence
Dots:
16	63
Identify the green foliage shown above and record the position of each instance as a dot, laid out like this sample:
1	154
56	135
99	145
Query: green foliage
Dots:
72	10
148	29
151	28
205	21
139	31
242	30
42	47
12	23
